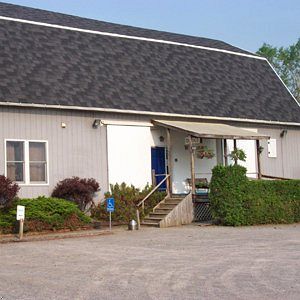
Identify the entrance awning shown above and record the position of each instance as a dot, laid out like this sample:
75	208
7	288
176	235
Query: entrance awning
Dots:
211	130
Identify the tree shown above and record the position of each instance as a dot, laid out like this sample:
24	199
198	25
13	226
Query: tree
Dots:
286	62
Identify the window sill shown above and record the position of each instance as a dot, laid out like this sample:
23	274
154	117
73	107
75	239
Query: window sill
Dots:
33	184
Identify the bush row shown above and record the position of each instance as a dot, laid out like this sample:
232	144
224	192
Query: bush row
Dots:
236	200
57	213
43	214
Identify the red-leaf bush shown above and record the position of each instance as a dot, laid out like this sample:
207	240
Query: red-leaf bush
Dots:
8	191
78	190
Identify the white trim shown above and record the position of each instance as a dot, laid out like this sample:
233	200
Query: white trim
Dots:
130	37
5	159
283	83
147	113
26	181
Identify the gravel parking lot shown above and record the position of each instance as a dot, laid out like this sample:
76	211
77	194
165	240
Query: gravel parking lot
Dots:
188	262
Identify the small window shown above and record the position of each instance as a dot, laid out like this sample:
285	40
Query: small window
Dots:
15	161
26	161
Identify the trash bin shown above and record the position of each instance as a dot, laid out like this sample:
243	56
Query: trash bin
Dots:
132	225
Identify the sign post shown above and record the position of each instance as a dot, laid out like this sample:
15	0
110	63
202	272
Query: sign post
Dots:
21	217
110	207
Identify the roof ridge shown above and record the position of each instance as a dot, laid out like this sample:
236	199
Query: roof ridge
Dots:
130	37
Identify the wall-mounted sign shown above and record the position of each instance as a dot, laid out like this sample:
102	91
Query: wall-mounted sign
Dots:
195	141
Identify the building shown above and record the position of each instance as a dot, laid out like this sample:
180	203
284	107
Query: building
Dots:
80	97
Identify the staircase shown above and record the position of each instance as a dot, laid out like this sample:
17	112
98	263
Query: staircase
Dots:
172	211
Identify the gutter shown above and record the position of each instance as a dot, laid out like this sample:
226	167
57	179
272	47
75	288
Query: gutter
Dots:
146	113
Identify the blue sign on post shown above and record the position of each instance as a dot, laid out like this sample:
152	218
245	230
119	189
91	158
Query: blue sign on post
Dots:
110	204
110	207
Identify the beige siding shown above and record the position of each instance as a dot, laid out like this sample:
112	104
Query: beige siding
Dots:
77	150
287	162
80	150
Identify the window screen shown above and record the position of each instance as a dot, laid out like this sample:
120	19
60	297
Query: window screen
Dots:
37	162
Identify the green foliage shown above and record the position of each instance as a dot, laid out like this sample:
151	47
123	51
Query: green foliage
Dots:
238	201
43	214
204	152
286	61
238	154
126	199
227	189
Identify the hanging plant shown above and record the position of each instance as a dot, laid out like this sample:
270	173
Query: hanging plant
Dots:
238	154
204	152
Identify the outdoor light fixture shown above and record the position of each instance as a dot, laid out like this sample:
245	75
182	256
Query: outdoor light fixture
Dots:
96	123
283	133
161	138
63	125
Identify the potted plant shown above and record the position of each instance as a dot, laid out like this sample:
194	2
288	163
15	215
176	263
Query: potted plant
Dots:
238	154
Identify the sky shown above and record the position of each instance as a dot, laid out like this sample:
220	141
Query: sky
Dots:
243	23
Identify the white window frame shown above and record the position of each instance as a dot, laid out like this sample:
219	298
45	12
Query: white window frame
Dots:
26	181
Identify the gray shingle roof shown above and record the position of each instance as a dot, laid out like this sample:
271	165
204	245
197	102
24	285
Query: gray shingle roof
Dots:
38	15
46	65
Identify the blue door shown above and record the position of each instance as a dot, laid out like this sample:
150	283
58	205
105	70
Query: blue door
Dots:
158	164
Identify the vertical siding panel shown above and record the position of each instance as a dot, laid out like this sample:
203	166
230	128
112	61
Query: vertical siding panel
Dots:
287	163
75	150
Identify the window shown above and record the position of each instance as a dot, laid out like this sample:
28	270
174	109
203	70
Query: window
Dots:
26	161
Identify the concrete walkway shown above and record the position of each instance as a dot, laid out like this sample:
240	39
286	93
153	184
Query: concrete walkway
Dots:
188	262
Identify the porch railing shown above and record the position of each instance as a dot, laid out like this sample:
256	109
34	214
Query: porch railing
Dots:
142	202
274	177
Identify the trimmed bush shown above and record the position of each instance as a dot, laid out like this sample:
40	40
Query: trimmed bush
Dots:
8	191
43	214
78	190
236	201
126	199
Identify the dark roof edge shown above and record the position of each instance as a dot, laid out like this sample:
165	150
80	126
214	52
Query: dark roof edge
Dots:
298	103
130	37
149	113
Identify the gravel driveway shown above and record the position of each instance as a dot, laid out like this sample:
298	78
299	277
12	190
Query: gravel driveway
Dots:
188	262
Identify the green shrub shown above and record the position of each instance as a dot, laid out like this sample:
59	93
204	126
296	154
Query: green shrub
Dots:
126	198
227	189
43	214
235	200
